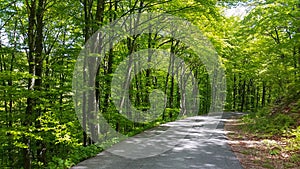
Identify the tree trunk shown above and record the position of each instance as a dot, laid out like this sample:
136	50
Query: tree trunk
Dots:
41	149
263	100
257	98
234	92
31	82
243	96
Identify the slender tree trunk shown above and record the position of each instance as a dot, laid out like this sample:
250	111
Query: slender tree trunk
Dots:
167	80
263	100
234	92
207	101
41	148
243	96
110	57
90	97
31	82
10	112
248	96
86	37
148	71
257	98
172	57
252	97
240	92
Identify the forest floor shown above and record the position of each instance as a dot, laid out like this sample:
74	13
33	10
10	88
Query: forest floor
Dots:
255	152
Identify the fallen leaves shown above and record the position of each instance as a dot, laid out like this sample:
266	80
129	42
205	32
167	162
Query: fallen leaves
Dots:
259	153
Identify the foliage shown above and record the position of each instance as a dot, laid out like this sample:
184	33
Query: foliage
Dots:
279	120
262	122
293	138
76	155
40	41
282	116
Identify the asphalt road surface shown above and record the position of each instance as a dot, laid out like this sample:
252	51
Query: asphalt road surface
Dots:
196	142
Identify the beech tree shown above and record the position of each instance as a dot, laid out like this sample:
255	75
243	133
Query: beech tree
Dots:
41	40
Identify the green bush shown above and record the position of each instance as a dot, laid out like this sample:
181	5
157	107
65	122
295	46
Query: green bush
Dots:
294	139
262	122
76	155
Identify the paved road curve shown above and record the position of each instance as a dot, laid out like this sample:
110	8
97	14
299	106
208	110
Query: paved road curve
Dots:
191	146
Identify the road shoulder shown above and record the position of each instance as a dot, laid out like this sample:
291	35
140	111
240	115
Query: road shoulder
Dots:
254	152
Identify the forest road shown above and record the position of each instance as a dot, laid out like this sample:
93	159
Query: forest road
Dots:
192	144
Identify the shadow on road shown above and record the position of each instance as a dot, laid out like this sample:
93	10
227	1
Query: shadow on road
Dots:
188	143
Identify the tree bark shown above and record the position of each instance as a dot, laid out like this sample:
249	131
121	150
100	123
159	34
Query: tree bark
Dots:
263	100
31	82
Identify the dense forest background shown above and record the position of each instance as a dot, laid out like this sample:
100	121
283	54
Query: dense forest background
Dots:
40	41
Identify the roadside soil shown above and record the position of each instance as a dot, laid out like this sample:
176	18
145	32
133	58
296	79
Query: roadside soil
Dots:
255	152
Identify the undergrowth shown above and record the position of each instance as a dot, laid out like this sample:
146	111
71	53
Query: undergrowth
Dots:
280	120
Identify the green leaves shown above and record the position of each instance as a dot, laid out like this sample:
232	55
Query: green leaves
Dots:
260	54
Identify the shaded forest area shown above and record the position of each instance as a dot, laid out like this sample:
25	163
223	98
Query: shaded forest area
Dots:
41	40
